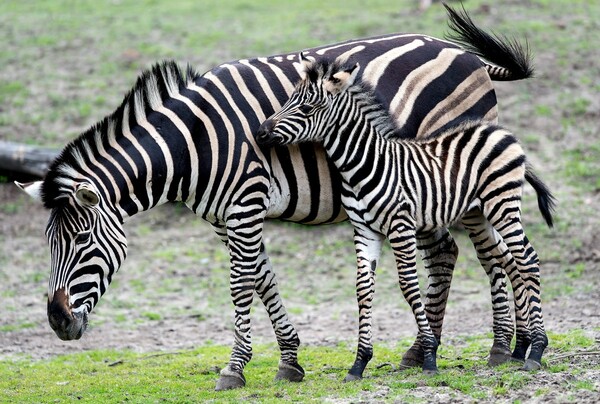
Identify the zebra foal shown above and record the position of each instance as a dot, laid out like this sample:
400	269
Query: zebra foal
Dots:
397	188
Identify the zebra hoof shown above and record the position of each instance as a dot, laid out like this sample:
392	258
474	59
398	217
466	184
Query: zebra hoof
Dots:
430	372
352	378
531	364
230	380
413	358
498	357
290	372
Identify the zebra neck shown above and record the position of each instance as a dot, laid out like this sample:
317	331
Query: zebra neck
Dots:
356	139
148	158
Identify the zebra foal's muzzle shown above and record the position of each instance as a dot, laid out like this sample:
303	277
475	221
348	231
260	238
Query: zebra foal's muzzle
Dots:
265	135
66	323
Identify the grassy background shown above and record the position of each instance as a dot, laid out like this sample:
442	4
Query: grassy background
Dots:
65	64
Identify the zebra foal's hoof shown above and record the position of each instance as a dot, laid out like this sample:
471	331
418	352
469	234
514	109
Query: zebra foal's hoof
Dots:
499	356
413	358
430	372
290	372
230	380
531	364
351	378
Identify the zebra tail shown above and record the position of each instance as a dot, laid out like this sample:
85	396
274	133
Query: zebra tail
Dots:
510	60
546	202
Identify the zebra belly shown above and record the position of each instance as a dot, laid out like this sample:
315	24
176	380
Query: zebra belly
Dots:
305	188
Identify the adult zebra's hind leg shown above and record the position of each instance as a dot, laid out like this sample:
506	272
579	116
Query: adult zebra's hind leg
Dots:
438	252
368	248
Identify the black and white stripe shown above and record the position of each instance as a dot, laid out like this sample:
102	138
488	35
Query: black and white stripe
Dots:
400	188
181	136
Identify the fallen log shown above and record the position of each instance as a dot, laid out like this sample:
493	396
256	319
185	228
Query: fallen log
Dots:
25	160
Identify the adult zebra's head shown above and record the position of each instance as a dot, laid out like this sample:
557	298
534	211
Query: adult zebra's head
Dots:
87	245
91	188
304	117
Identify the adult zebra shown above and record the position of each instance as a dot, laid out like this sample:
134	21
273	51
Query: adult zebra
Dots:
397	188
187	137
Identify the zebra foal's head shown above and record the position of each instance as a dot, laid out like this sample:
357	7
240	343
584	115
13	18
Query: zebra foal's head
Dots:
87	245
306	115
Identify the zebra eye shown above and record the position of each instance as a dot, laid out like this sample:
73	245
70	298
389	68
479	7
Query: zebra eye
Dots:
306	109
83	236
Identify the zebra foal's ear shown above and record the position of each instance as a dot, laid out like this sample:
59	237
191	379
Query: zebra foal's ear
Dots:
340	81
305	62
33	189
86	196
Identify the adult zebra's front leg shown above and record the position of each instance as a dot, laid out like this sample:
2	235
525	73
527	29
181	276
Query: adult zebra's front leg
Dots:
251	271
368	248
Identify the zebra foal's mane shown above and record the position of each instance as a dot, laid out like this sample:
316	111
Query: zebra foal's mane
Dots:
362	92
152	88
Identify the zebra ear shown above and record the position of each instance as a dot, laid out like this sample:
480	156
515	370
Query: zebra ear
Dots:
33	189
305	62
340	81
86	196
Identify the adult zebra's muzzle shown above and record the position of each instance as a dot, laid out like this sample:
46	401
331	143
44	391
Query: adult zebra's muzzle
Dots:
265	135
66	323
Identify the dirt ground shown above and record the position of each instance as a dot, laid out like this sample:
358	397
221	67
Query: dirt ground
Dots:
323	310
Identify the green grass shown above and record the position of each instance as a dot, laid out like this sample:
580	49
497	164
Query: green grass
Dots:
190	376
582	166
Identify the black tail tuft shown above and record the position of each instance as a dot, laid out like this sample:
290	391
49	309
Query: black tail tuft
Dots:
546	201
500	50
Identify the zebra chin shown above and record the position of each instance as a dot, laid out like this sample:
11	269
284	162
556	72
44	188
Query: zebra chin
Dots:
68	324
266	139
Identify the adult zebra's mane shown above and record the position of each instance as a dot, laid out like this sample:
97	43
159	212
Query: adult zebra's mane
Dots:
152	88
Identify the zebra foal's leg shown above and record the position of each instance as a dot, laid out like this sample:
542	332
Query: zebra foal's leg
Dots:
287	337
403	243
438	252
529	262
497	261
368	249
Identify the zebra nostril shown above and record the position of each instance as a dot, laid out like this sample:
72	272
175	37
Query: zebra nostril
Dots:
59	314
263	133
